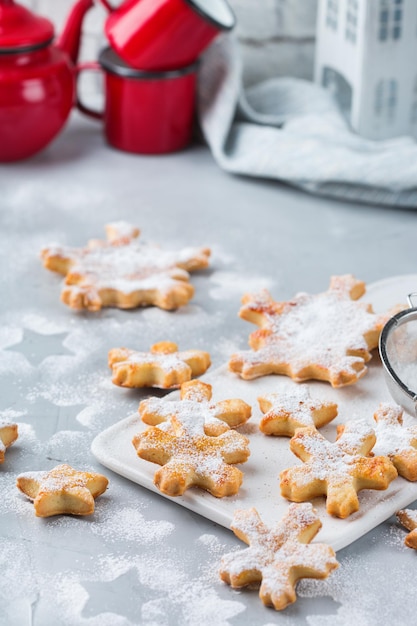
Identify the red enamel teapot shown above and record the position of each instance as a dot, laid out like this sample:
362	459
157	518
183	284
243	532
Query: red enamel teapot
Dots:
37	78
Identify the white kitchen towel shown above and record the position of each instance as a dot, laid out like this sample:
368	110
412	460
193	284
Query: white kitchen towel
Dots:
291	130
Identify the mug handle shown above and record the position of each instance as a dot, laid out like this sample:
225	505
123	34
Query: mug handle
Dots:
80	67
107	5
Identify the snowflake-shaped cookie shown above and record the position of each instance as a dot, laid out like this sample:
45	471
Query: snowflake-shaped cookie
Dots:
408	518
336	470
195	402
8	435
189	457
62	490
277	557
123	272
284	412
163	367
396	441
327	336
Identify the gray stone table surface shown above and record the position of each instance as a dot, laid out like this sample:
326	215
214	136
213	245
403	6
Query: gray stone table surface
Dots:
142	559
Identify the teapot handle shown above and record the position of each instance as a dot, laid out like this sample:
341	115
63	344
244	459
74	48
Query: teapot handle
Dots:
92	66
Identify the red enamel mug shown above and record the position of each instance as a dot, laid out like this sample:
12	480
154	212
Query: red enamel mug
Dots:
144	112
165	34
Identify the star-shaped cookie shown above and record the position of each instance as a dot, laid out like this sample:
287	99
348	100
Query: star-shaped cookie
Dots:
277	557
336	470
408	518
189	457
328	336
62	490
8	435
195	401
124	273
163	367
396	441
284	412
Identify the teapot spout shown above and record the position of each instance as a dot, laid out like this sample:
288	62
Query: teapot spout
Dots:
70	38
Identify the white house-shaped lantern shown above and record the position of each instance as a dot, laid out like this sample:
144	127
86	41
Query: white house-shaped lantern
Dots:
367	56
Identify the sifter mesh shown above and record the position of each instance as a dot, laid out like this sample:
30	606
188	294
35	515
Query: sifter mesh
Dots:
398	350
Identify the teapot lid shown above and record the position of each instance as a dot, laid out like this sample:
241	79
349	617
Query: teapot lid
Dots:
20	29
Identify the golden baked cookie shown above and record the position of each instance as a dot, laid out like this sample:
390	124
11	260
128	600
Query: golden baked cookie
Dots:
122	272
286	411
62	490
8	435
278	557
396	441
195	401
336	470
163	367
408	518
189	457
328	336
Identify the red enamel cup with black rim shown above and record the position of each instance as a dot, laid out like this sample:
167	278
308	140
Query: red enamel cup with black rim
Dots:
165	34
144	112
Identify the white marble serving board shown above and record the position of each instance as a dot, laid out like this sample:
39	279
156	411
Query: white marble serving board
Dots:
270	455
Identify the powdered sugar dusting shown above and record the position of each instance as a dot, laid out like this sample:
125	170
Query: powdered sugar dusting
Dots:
128	524
321	331
10	335
394	437
55	481
293	409
275	553
165	368
232	284
187	451
211	541
294	401
365	605
195	411
68	446
134	562
333	462
9	415
412	515
124	264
